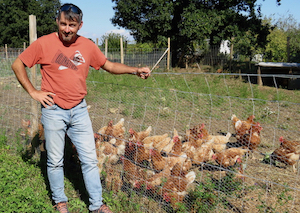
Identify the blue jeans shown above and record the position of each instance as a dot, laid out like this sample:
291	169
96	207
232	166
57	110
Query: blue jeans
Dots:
77	125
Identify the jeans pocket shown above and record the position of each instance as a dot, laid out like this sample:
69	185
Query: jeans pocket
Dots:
82	104
53	107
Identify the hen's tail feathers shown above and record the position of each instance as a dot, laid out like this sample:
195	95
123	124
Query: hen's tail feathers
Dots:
191	176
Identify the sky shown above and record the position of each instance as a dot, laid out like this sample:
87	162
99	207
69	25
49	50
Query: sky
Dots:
97	15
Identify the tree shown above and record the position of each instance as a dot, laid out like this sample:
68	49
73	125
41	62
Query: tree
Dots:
187	22
14	15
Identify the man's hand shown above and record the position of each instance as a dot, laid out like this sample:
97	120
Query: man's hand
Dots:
143	72
45	98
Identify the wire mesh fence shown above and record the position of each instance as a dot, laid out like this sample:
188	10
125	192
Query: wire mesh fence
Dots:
172	142
139	57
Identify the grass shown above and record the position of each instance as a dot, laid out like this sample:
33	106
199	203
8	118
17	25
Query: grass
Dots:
22	185
201	95
166	85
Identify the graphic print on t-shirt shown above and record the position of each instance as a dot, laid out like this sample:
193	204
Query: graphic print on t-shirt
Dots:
68	62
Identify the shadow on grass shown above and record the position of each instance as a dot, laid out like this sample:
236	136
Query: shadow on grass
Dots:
72	168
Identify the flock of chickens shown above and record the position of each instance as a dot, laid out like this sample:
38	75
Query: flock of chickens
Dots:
162	165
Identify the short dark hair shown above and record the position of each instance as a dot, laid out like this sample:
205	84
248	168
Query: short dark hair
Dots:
71	11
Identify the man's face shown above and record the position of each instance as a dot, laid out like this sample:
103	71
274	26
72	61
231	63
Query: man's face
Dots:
67	29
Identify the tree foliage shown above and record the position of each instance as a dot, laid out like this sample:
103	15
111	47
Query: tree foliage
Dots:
14	25
283	37
276	49
190	21
113	40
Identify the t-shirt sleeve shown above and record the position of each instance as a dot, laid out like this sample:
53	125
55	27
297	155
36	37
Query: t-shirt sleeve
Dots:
98	59
32	54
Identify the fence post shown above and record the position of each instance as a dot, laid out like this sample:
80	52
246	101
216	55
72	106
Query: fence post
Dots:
122	51
169	53
24	45
259	80
6	53
288	48
106	47
34	104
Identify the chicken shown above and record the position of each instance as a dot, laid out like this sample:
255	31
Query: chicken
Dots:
157	160
133	173
288	153
181	169
113	131
252	139
108	152
201	154
196	136
177	147
287	157
139	136
108	133
176	187
27	126
113	179
167	145
219	141
141	154
155	180
293	146
229	157
157	141
242	126
130	150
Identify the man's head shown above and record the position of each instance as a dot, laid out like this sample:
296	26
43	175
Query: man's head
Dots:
71	12
69	21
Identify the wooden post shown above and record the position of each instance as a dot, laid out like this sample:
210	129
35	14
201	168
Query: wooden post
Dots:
6	52
169	53
106	47
288	48
24	45
122	52
34	103
259	80
97	40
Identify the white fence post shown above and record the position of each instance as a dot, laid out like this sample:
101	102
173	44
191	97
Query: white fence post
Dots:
122	51
34	104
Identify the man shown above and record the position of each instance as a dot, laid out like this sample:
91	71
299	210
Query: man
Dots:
65	58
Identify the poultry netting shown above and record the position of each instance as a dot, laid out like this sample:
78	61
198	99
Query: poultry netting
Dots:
187	141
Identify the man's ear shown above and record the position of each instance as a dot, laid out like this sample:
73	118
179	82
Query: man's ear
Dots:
80	25
57	21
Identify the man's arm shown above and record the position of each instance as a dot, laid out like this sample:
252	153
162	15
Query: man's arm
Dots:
19	69
118	68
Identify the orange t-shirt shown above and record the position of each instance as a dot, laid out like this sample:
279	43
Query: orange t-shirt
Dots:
64	69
